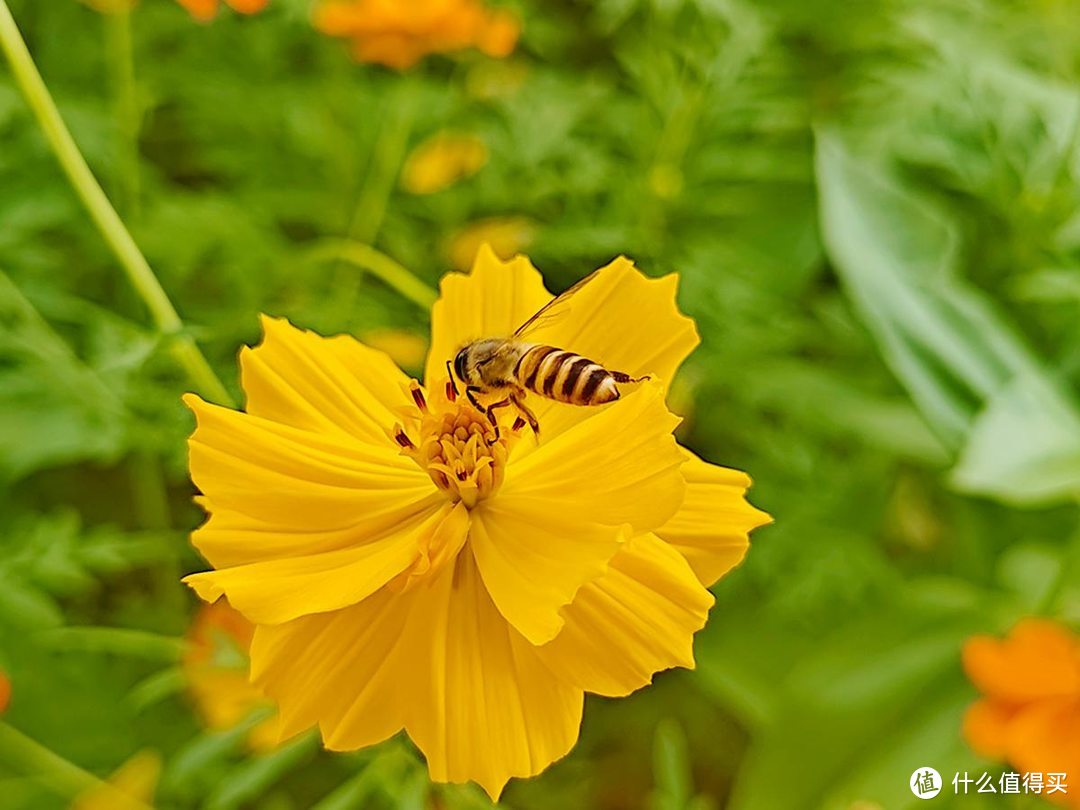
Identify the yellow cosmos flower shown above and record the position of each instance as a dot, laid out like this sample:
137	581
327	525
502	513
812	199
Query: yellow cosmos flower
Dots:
131	786
442	160
406	568
399	34
216	669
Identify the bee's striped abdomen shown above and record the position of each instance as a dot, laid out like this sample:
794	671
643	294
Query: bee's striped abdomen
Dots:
565	376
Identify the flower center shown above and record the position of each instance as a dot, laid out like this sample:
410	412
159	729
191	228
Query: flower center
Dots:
458	448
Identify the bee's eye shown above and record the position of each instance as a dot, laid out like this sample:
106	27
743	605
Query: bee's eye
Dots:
459	365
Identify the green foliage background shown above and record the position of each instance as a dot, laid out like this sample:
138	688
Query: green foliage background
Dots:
874	210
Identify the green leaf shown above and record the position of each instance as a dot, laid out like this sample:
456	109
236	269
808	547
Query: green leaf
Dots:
1017	436
872	685
252	778
1024	448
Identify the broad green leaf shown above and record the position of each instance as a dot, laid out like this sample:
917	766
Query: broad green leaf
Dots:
872	683
981	388
1024	447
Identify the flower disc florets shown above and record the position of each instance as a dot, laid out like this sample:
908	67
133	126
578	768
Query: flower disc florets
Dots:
458	447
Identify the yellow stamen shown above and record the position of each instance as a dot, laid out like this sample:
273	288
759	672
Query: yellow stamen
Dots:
458	448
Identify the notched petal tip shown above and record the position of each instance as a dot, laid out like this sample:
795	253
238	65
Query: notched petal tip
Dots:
193	402
205	586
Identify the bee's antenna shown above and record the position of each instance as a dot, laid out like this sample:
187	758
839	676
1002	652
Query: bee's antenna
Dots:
451	386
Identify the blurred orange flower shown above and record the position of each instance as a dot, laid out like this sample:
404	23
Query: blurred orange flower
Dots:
399	34
206	10
216	669
1030	715
5	692
442	160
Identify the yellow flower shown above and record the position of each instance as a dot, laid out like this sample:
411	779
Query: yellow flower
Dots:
399	34
216	669
131	787
442	160
406	569
504	235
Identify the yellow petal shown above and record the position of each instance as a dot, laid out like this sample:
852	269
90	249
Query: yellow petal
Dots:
492	710
438	660
557	519
622	466
625	321
335	384
492	301
275	591
712	527
131	786
637	619
278	491
534	561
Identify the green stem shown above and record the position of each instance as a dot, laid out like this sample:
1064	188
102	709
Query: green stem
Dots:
386	159
116	641
101	211
149	491
382	172
119	53
387	270
1067	576
52	770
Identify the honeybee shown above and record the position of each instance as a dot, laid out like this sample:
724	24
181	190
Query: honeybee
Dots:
514	366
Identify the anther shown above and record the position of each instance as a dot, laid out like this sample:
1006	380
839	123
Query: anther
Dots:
418	395
451	391
519	423
402	438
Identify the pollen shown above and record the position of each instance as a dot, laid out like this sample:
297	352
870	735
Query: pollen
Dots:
457	447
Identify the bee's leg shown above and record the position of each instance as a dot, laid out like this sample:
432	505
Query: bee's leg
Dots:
623	377
502	403
471	391
523	409
450	381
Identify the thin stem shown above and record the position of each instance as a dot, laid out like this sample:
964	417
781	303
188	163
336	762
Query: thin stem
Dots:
101	211
382	171
383	167
121	62
54	772
1067	576
115	640
387	270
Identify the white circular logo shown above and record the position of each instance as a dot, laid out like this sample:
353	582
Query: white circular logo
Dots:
925	783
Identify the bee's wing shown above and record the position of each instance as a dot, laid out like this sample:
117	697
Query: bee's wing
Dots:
554	308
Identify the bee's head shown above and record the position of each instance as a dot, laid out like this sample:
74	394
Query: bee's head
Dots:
460	361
